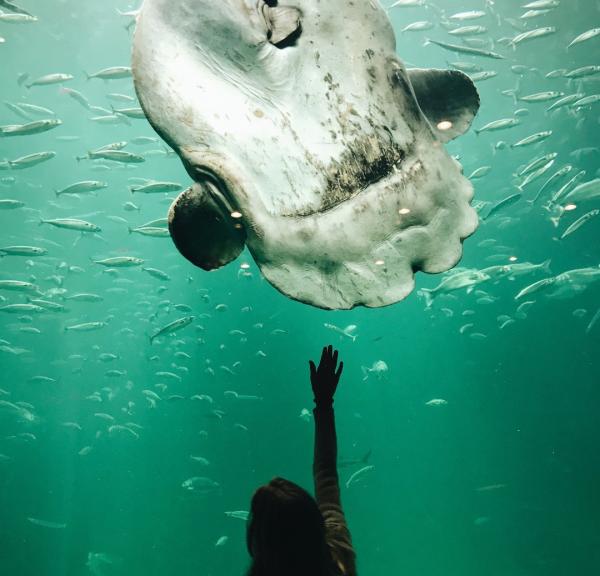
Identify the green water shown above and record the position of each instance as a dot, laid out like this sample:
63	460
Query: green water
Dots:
502	480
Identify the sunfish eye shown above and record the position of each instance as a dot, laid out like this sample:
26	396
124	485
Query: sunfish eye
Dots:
283	24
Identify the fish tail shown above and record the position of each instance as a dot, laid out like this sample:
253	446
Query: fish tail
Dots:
133	189
477	131
546	266
365	372
427	294
365	458
427	42
87	76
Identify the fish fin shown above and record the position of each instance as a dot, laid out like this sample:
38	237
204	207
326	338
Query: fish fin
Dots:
445	96
427	294
202	227
546	266
365	458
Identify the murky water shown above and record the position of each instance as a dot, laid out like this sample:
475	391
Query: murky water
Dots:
98	425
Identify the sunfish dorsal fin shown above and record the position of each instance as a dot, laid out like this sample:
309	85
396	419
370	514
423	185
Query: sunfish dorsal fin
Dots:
448	98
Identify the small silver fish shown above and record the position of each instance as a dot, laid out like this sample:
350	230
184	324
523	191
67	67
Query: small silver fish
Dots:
31	160
172	327
531	35
120	261
436	402
82	187
418	26
579	223
584	37
72	224
154	187
501	124
356	476
541	96
48	79
22	251
85	327
157	273
533	139
462	49
36	127
113	73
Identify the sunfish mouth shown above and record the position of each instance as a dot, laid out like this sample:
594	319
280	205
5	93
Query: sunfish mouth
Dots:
364	163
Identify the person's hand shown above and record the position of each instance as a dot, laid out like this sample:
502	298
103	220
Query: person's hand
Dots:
325	378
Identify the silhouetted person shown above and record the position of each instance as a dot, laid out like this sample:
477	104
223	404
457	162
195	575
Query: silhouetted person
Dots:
289	532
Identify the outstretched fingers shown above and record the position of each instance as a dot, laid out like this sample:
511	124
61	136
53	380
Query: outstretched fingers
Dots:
339	370
323	355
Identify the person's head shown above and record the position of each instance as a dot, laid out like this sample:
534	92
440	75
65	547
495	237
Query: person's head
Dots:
286	532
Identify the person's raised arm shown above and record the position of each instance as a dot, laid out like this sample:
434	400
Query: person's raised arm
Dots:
324	380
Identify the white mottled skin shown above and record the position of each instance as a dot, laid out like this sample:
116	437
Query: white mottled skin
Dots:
268	123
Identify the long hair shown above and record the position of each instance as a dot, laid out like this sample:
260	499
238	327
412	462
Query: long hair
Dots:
286	533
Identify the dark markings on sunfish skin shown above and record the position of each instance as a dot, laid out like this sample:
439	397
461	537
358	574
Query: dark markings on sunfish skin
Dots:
364	162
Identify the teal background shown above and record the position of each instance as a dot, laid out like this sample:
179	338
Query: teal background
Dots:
522	411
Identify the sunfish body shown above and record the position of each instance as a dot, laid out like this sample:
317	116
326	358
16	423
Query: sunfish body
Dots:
309	142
